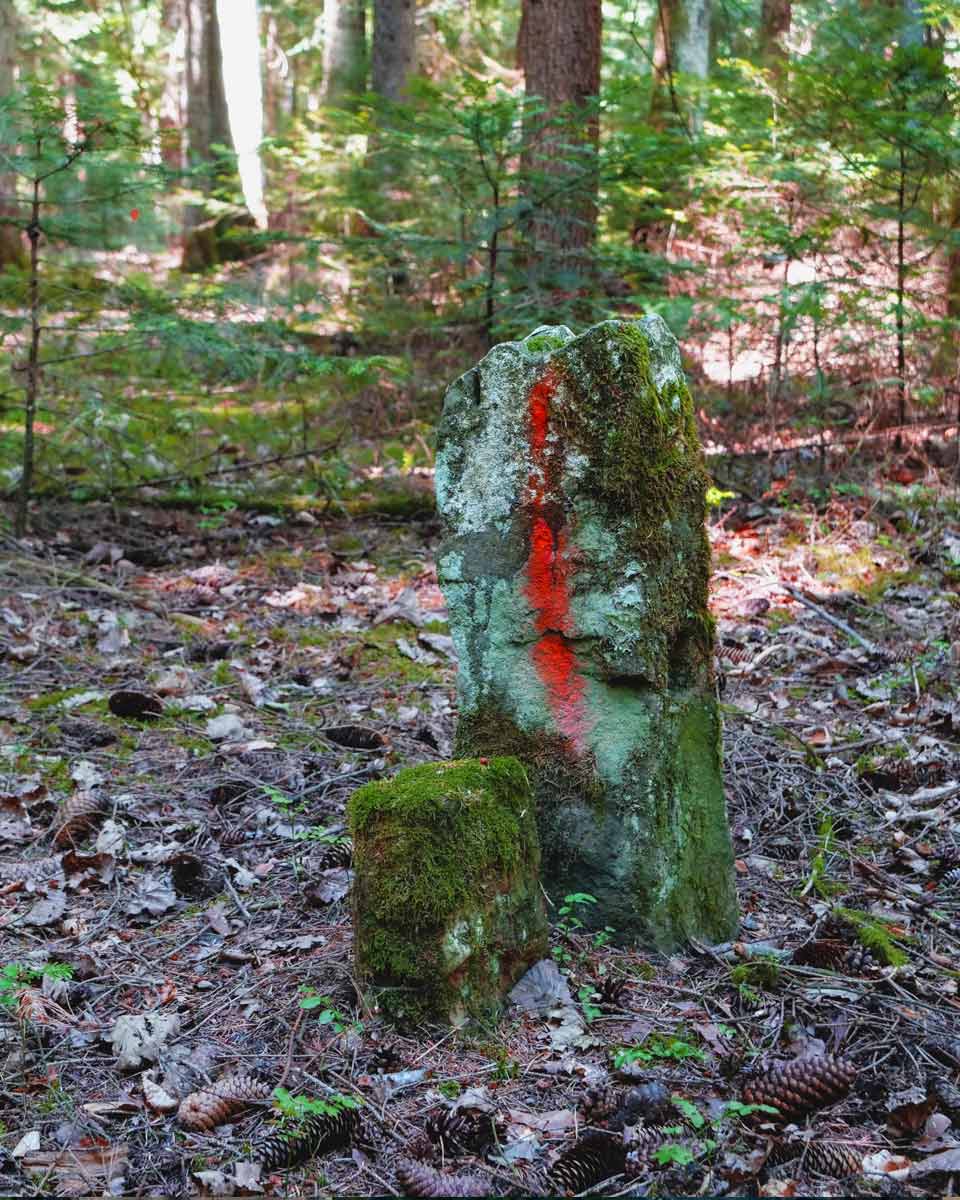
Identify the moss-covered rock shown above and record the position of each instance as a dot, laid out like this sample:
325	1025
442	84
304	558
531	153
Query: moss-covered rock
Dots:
447	906
576	568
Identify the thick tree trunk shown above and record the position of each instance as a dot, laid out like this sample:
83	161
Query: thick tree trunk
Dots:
558	47
681	62
208	126
394	46
344	51
240	39
775	17
12	252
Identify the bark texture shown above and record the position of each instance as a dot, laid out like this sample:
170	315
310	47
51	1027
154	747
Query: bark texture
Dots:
394	46
558	48
681	61
208	241
12	249
775	18
575	568
344	51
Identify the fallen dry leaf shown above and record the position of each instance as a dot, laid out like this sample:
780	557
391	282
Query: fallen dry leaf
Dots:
138	1039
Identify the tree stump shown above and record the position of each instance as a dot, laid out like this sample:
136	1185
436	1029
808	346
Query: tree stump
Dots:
447	906
575	567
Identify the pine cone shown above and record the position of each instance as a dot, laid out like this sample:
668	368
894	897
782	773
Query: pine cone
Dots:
799	1087
832	954
859	961
194	877
418	1179
216	1104
610	991
600	1103
461	1131
649	1102
79	814
826	954
314	1135
386	1057
951	878
836	1159
337	854
593	1159
421	1148
907	1112
644	1139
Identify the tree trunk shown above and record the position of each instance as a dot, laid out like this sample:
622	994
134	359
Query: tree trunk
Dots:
394	46
558	48
950	352
11	240
681	62
240	37
344	51
208	126
775	17
173	101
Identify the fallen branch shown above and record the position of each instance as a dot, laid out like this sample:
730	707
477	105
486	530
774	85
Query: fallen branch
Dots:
185	476
67	577
830	618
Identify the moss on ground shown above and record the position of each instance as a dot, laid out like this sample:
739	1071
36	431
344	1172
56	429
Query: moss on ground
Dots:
874	936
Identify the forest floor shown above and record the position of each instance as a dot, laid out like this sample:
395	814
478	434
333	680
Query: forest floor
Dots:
186	704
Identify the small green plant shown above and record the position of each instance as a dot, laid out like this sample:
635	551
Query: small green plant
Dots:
569	922
14	977
586	995
505	1068
818	880
680	1154
657	1046
762	972
671	1153
310	1001
316	833
603	936
449	1088
215	513
294	1110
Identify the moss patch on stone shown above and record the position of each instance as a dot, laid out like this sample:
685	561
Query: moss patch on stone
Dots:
446	901
640	439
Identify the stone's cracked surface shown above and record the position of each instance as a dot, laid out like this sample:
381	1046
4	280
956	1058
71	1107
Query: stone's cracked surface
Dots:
575	569
448	911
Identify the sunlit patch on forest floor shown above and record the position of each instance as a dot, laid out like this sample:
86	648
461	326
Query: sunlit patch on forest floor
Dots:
197	892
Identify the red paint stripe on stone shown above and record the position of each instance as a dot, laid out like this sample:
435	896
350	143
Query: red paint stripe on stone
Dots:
548	569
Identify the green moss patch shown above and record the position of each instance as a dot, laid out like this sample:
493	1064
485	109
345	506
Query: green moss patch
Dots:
874	935
446	898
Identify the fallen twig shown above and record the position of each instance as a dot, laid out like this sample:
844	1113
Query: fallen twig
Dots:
830	618
67	577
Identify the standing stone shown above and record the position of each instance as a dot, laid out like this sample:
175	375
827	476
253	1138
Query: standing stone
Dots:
447	907
575	568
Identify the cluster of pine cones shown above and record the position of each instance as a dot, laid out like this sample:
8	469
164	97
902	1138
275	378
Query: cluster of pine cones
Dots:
625	1128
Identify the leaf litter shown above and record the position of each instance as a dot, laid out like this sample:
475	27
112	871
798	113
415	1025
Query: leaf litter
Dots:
178	933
